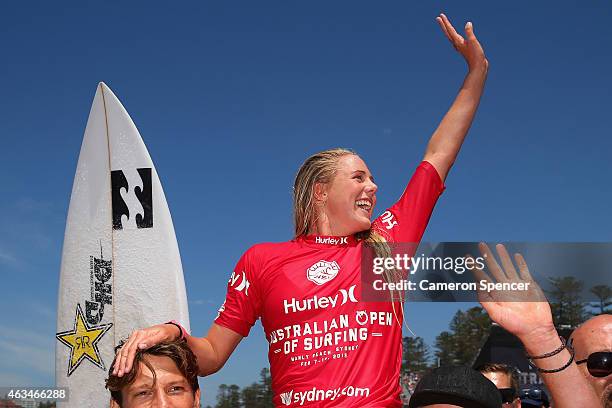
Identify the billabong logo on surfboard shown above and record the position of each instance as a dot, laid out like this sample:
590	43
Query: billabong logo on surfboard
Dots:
143	194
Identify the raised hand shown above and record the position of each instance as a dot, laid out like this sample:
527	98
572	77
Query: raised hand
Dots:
469	47
527	315
523	313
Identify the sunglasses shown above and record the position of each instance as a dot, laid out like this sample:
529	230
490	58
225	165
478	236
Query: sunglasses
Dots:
536	394
507	394
599	364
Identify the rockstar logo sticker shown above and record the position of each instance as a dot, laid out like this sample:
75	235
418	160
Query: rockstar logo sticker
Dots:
83	341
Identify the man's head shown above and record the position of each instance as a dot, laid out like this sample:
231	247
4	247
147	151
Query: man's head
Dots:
450	387
505	379
595	336
165	375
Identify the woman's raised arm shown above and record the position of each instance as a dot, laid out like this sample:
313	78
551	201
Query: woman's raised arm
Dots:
447	139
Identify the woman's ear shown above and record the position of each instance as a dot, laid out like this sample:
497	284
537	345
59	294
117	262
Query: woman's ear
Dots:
320	192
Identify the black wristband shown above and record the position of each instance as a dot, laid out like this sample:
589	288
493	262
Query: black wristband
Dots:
550	354
556	370
181	334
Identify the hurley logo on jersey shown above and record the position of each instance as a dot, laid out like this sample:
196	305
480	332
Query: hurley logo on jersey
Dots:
331	240
320	302
322	272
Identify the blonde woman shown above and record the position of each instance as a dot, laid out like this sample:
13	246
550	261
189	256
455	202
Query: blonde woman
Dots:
326	347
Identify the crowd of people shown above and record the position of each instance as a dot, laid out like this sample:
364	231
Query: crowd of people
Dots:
167	373
590	344
291	286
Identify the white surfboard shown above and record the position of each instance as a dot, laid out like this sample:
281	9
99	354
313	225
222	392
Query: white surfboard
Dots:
121	269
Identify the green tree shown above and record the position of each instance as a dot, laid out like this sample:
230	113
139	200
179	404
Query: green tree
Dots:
603	294
250	396
259	395
566	301
256	395
222	397
415	355
265	391
468	331
228	396
234	395
445	349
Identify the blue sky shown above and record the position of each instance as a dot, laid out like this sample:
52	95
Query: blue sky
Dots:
231	97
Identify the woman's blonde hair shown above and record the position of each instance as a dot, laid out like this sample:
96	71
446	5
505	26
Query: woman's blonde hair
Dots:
321	168
318	168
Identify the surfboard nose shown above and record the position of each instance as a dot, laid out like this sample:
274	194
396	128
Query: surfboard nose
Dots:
105	88
102	89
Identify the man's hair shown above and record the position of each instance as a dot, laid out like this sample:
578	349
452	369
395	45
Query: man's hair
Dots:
509	370
177	350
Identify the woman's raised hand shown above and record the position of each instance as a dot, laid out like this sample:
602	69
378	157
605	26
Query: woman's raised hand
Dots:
469	47
140	340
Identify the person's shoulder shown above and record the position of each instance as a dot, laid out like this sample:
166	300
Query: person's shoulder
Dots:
266	250
430	171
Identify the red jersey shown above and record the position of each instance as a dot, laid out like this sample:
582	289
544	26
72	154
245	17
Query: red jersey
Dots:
326	347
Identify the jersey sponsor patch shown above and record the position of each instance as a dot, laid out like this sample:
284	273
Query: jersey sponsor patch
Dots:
316	394
322	272
320	302
243	285
388	219
332	240
286	397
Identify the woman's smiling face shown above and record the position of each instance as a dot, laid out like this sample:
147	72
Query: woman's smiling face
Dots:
349	199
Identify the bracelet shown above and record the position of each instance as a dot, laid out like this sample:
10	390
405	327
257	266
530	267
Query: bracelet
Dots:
552	353
556	370
181	331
